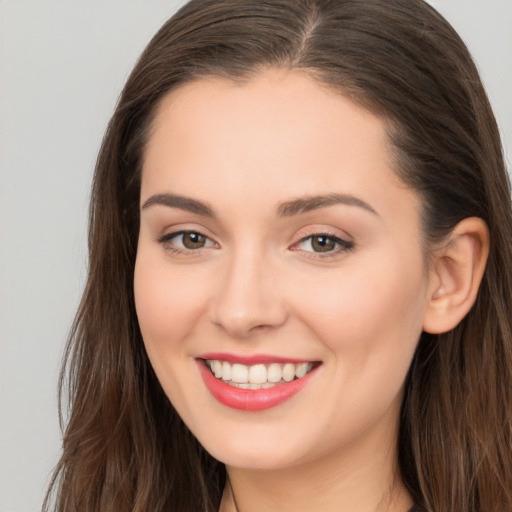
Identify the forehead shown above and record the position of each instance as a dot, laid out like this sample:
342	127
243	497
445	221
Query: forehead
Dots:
267	101
279	134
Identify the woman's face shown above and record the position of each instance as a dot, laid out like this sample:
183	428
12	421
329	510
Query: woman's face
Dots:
275	240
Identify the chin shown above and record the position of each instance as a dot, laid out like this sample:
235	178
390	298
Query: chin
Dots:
258	448
250	457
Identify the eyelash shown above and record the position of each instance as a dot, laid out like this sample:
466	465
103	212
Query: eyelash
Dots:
340	245
166	239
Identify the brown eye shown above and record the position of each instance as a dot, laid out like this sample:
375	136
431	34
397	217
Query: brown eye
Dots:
192	240
185	241
322	243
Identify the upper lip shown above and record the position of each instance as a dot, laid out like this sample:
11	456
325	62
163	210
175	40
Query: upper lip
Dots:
252	359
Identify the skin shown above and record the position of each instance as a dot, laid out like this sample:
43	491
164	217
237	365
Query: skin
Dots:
259	287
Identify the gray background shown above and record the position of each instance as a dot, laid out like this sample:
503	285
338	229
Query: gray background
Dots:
62	65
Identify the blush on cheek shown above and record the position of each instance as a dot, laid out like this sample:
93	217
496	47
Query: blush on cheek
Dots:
153	310
158	316
368	312
166	303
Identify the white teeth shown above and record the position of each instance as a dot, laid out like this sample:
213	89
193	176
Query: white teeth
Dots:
217	368
239	373
288	372
259	375
301	369
226	371
248	385
274	372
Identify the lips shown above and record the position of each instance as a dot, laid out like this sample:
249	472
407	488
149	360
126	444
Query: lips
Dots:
254	383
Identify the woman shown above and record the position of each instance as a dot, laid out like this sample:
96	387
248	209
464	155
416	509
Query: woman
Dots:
299	285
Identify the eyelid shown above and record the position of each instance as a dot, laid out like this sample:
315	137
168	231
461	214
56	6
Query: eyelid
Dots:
343	245
166	239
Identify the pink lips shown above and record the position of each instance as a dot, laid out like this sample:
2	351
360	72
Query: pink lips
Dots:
251	399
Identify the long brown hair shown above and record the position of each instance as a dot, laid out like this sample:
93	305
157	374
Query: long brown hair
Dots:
125	448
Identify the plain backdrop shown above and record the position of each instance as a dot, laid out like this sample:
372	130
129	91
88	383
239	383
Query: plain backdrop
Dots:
62	66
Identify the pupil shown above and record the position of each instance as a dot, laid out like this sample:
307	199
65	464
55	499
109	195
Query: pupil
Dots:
323	244
193	240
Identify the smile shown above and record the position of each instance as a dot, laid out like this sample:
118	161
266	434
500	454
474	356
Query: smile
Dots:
258	376
258	386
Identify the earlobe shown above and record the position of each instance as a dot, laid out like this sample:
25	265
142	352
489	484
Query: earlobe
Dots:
456	273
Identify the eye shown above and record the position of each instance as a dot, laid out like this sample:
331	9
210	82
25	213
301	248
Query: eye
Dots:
324	243
185	241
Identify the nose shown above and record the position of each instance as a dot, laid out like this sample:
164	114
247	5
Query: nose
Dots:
248	298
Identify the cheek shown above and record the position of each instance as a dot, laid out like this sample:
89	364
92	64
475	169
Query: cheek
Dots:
162	300
370	324
368	312
168	304
371	320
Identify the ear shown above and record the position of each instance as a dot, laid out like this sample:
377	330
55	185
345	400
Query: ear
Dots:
455	276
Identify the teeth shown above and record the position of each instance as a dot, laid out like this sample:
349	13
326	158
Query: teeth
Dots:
259	375
302	369
239	373
226	371
275	373
289	372
217	369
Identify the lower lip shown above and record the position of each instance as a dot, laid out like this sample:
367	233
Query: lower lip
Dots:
251	399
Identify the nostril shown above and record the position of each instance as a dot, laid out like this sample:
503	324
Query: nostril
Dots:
254	320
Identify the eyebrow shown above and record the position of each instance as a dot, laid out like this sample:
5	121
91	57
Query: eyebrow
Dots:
181	202
309	203
286	209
